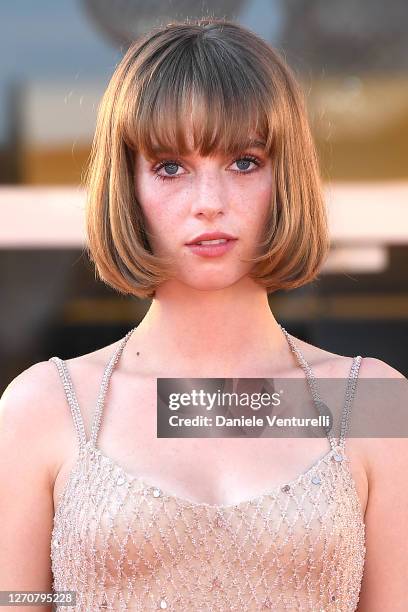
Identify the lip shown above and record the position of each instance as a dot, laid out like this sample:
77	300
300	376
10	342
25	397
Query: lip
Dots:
212	250
211	236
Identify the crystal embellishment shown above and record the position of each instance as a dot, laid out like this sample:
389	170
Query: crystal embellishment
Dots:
338	457
121	480
219	520
109	539
316	480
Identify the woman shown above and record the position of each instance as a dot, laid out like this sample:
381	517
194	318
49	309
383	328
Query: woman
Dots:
202	134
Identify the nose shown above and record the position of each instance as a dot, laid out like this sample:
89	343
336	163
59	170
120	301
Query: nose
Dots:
210	197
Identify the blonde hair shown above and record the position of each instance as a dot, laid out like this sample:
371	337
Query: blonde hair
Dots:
234	83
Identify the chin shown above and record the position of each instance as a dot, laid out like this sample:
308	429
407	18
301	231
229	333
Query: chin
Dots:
212	281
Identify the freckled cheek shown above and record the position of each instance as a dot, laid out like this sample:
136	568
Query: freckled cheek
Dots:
263	199
165	223
252	212
252	216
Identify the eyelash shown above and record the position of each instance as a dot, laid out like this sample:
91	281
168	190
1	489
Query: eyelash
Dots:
156	169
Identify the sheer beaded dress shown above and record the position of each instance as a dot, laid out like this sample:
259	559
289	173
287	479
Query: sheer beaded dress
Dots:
122	543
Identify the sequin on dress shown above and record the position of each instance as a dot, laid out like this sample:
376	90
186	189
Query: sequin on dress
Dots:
122	543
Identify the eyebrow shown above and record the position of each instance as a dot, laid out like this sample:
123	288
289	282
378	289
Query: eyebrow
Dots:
259	144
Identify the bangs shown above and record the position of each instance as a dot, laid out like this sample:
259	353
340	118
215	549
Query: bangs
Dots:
209	86
199	97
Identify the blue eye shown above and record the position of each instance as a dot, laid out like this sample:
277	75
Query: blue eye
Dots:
172	164
245	160
165	164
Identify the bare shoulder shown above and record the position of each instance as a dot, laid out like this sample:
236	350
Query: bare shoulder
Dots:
328	364
388	453
372	367
34	412
376	455
29	409
85	372
383	456
28	398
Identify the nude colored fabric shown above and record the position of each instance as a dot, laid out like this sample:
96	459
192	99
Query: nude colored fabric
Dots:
125	544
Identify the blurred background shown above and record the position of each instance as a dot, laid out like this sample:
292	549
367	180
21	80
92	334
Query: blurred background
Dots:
351	58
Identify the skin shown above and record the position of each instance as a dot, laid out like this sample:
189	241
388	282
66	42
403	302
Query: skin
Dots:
210	320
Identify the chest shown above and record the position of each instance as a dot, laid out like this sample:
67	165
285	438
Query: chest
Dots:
116	529
212	470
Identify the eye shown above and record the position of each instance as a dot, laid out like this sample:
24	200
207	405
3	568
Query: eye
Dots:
247	159
171	166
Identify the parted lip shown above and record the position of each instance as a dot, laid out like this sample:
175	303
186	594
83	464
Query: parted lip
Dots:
212	236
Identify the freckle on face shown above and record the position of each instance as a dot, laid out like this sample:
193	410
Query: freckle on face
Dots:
173	214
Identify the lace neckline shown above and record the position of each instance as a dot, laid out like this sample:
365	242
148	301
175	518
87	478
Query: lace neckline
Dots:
286	486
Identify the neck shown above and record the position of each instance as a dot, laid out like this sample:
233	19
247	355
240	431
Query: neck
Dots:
229	332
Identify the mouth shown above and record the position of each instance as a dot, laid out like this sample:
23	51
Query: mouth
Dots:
212	248
215	241
211	238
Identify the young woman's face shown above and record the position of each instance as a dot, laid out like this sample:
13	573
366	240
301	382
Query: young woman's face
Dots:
182	198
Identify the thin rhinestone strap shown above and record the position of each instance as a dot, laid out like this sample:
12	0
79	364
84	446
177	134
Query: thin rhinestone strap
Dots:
311	379
79	424
72	399
351	387
104	387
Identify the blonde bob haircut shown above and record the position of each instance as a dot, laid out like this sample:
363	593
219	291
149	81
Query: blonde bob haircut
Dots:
232	84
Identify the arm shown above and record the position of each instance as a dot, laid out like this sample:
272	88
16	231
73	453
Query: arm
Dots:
27	473
385	580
